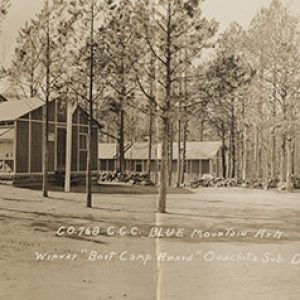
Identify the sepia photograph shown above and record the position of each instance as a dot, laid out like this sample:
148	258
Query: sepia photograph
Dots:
149	149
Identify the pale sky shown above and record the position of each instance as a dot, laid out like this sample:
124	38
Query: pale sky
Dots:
224	11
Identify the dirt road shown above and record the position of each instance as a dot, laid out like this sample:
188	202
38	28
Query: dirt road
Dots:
214	244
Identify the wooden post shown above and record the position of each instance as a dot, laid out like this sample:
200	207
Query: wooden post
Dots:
68	148
89	199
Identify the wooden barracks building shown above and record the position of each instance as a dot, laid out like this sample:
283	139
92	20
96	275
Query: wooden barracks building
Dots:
201	158
21	138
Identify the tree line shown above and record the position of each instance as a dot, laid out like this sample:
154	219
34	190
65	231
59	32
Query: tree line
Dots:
128	61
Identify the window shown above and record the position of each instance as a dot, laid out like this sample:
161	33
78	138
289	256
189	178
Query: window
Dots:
103	166
111	165
205	166
138	166
82	141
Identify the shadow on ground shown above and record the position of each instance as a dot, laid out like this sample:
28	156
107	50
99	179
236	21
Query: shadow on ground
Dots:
108	188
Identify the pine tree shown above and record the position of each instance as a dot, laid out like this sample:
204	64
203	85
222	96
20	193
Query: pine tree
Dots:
273	43
176	25
24	69
4	8
39	63
86	82
226	77
120	55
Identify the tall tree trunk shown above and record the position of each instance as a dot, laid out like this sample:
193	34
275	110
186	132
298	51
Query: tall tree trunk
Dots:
165	110
258	152
179	154
293	154
229	156
201	131
180	123
256	142
163	186
122	96
32	89
240	151
259	109
289	184
45	149
90	117
150	140
152	96
274	109
121	143
184	149
252	166
283	145
185	117
231	148
156	150
274	114
152	120
46	109
201	123
68	167
232	143
243	145
224	165
266	168
273	142
170	154
234	151
245	154
283	159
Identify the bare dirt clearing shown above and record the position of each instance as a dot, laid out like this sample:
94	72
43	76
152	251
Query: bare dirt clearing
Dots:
220	267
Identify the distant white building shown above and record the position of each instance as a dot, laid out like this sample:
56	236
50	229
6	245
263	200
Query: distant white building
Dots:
201	158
